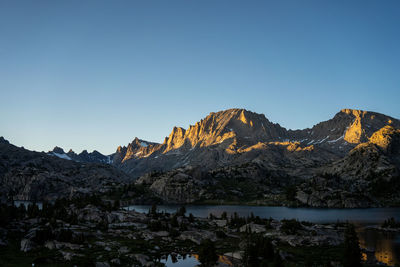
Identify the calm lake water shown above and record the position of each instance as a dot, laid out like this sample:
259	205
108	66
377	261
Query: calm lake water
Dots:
385	244
316	215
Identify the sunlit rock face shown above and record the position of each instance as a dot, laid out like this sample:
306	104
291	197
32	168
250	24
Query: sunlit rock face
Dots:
236	136
236	125
135	150
387	139
365	124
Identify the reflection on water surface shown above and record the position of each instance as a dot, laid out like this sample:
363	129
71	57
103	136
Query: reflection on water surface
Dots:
384	244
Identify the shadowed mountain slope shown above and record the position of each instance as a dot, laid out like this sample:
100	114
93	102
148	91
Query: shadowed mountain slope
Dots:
28	175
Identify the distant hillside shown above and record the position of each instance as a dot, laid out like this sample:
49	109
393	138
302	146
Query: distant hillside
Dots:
28	175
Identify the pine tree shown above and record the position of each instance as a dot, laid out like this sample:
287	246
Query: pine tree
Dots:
174	221
352	251
181	211
224	215
153	210
191	218
207	253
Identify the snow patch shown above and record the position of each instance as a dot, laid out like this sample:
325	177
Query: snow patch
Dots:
61	156
323	140
334	141
144	144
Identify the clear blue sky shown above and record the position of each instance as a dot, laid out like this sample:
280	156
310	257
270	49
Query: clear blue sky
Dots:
95	74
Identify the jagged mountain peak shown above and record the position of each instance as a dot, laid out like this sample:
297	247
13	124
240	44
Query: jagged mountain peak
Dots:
134	149
58	150
84	156
368	116
235	114
237	125
121	148
138	143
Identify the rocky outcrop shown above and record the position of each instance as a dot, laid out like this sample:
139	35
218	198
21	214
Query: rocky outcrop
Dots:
183	185
27	245
240	183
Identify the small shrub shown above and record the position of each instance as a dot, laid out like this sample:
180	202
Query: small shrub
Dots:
290	227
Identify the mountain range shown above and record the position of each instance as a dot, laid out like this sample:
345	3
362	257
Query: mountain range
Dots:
216	158
84	156
221	137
